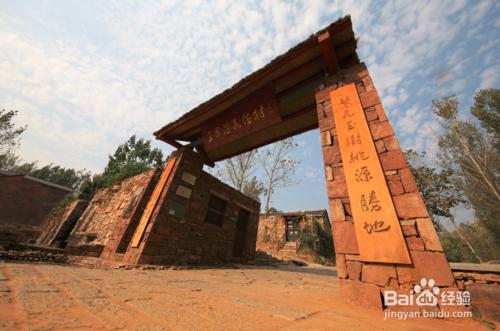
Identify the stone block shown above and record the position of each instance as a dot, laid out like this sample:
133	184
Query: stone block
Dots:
428	233
326	123
391	143
340	263
369	98
407	222
395	187
353	257
361	294
415	243
409	230
338	173
326	138
367	83
378	274
381	130
371	115
337	189
410	205
347	208
379	145
393	160
380	112
344	238
408	180
354	269
331	155
329	173
426	265
337	213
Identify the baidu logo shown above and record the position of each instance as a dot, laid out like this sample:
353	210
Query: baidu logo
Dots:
426	293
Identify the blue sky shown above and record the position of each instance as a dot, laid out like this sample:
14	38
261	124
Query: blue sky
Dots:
85	75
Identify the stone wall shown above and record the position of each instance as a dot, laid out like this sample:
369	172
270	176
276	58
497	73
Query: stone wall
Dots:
271	232
109	208
26	201
177	231
368	279
60	222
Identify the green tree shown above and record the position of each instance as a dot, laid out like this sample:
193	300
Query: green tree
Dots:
130	159
253	188
438	192
469	151
9	138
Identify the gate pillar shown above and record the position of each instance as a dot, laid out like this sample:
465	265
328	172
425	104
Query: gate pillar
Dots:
383	235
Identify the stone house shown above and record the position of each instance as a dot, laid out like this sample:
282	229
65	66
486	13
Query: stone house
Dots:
291	231
181	214
25	201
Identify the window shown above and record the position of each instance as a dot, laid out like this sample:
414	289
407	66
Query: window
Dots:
215	211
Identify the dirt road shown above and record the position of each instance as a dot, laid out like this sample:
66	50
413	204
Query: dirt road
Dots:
55	297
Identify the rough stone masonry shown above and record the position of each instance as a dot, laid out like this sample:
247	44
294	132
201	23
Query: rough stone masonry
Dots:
364	279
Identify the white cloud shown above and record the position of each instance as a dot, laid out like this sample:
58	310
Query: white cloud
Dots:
147	63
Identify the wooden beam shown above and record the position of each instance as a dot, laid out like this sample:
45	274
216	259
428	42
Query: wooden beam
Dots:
204	156
171	141
328	52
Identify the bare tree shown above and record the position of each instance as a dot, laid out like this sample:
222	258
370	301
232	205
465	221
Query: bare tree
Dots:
238	170
278	166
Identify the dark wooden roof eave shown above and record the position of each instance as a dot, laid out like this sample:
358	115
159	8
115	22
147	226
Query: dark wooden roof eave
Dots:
167	132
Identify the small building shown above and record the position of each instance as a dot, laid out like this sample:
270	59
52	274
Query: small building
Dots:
180	214
25	202
290	232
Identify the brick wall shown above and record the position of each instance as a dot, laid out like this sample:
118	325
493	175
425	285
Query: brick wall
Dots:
27	202
177	231
366	279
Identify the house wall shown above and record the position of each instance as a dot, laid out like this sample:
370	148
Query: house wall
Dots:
27	202
177	231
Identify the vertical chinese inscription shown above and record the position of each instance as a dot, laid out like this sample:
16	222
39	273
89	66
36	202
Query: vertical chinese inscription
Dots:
378	232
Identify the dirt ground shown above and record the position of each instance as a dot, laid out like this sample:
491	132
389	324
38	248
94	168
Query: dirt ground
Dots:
56	297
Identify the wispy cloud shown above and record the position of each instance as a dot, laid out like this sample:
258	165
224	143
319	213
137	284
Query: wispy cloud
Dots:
86	75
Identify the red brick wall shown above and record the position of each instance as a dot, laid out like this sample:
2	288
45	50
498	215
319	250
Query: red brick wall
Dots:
27	202
177	231
428	260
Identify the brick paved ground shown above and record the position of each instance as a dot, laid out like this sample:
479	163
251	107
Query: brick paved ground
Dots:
55	297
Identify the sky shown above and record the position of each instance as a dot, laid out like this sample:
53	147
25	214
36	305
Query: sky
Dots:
86	75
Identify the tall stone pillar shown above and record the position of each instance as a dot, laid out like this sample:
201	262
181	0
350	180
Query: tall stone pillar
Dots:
364	278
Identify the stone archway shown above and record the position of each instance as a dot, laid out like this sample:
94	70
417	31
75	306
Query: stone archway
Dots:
384	238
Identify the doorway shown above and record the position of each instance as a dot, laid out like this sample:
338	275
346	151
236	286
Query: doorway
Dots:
241	233
292	229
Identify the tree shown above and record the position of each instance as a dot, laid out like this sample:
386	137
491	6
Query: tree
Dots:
253	188
438	192
130	159
468	149
238	169
9	138
279	167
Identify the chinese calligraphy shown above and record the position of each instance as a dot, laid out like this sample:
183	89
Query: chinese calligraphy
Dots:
373	204
363	174
244	120
377	226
